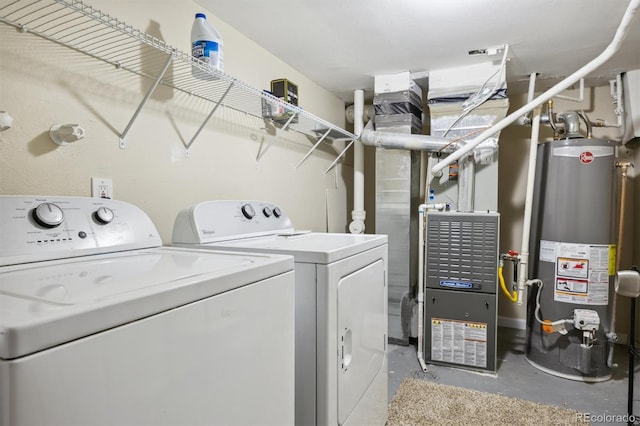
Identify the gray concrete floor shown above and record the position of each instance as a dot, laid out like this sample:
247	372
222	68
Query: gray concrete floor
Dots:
517	378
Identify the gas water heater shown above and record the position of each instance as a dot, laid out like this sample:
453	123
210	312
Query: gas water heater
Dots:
572	259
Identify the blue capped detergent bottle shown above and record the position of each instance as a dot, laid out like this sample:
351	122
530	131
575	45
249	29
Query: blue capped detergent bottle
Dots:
206	45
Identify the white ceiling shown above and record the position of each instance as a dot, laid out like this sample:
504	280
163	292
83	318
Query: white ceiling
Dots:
343	44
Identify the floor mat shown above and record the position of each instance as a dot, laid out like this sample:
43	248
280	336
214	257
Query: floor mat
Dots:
420	402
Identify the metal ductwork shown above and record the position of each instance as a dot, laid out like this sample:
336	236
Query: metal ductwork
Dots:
462	103
398	122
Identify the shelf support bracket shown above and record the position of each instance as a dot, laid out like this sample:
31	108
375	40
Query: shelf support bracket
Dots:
332	165
206	120
144	100
261	152
313	148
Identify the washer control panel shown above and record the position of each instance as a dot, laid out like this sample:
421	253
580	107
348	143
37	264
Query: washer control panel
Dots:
45	228
221	220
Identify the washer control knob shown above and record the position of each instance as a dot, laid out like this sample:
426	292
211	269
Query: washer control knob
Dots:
248	211
277	212
267	212
48	215
104	215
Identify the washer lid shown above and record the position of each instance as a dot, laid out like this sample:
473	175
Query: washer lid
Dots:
44	304
313	247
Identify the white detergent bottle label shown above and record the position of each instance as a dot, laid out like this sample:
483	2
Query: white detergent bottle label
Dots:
206	46
207	51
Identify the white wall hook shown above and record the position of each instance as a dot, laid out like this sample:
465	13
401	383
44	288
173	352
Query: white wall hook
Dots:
63	134
5	121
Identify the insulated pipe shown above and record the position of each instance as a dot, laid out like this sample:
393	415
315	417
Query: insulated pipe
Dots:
621	32
358	214
405	141
528	204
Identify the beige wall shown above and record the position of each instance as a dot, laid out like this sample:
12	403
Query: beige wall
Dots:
42	84
514	143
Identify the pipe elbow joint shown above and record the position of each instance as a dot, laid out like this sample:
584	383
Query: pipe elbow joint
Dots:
356	227
367	137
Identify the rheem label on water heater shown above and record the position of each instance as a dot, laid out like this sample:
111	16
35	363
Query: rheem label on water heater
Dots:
581	271
459	342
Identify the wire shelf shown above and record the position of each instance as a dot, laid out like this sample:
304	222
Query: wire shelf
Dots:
80	27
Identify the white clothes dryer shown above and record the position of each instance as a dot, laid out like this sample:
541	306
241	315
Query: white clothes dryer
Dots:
99	324
341	304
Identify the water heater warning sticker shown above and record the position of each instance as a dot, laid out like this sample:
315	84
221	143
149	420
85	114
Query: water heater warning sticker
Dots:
577	268
459	342
581	272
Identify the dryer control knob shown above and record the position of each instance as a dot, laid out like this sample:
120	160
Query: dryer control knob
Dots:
48	215
104	215
266	212
248	211
277	212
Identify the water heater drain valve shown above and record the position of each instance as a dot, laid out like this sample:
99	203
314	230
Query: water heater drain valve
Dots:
588	321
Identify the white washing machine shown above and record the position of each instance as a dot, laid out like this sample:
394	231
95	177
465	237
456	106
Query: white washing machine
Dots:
99	324
341	304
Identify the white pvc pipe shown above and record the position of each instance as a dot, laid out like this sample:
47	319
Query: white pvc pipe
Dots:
621	33
405	141
358	214
422	208
580	97
528	204
421	216
619	109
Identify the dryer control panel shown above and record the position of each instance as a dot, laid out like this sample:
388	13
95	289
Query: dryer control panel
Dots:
221	220
45	228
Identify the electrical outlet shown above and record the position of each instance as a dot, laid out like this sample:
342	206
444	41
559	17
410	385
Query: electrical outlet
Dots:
101	187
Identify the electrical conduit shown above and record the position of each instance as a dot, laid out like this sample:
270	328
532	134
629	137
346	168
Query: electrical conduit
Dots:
621	33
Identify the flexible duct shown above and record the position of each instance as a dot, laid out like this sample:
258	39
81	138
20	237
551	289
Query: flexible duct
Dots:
621	33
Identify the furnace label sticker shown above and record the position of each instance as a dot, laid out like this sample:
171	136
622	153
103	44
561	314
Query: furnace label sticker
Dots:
581	271
459	342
